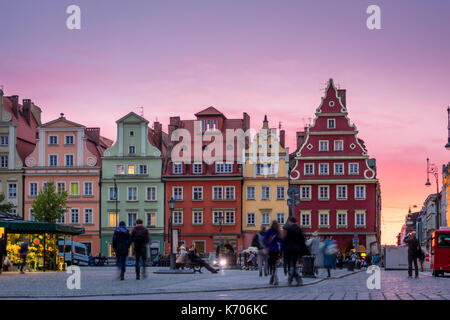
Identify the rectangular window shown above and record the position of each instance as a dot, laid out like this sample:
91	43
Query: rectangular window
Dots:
132	193
151	219
324	219
265	193
265	218
69	140
197	217
177	193
331	124
323	168
217	193
33	189
74	216
214	124
142	169
360	219
4	140
308	169
324	192
323	145
224	168
131	149
338	145
112	194
53	140
69	160
229	193
251	193
177	168
251	219
265	169
197	168
52	160
120	169
62	219
199	246
338	168
12	190
217	217
306	219
178	217
132	219
31	213
151	194
74	189
360	192
353	168
88	216
280	218
4	161
197	193
341	192
229	217
113	217
131	169
305	192
281	193
341	219
60	187
88	191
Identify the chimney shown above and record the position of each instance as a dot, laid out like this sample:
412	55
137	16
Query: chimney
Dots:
173	124
26	110
157	128
1	99
15	105
300	138
246	122
36	112
282	138
93	134
342	95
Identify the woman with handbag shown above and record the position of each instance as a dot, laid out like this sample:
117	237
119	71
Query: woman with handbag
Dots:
272	241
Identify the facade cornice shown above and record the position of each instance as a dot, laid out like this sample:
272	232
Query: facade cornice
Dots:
334	181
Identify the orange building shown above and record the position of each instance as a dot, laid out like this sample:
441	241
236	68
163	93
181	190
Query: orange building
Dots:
69	154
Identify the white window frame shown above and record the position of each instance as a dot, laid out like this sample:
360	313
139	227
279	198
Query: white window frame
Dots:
65	160
65	139
2	140
226	215
29	188
129	149
50	161
309	188
327	143
57	185
247	193
327	166
338	195
263	196
265	218
109	193
305	214
328	123
91	222
216	222
349	168
325	213
50	138
214	193
283	195
71	215
173	193
194	192
306	172
284	218
233	194
128	193
155	192
341	213
363	214
335	172
152	222
319	193
364	192
145	169
177	168
336	143
178	213
4	161
196	166
9	190
248	222
129	214
197	222
84	188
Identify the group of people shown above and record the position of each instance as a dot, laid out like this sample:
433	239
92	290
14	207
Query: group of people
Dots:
415	253
23	253
183	257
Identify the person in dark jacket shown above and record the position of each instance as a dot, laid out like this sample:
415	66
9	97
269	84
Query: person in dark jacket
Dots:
2	252
192	255
121	246
272	240
258	242
295	247
23	251
140	239
413	253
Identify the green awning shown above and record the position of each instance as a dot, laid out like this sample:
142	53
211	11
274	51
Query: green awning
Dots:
21	226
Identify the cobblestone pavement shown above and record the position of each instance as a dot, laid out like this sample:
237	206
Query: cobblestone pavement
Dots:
102	283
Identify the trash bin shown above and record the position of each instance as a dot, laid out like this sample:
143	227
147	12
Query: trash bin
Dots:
308	266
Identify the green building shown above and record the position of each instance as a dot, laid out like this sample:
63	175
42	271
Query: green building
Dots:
132	166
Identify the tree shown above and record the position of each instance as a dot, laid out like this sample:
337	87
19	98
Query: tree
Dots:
7	206
49	204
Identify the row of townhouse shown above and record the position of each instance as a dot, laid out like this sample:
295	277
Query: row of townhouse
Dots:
226	184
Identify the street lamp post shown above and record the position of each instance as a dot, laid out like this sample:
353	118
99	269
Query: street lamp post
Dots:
172	255
447	146
220	218
432	168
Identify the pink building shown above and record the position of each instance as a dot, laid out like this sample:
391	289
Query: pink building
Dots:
69	154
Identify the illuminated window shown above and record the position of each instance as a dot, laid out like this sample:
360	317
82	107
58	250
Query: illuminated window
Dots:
120	169
113	219
131	169
74	189
151	219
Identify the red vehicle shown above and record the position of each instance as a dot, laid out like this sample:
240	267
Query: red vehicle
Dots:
440	252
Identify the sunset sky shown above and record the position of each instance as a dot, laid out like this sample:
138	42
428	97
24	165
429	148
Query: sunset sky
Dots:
262	57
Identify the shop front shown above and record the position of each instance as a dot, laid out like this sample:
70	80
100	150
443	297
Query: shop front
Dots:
42	238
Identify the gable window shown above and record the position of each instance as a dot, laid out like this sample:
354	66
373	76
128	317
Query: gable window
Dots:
331	124
197	168
151	193
131	149
142	169
53	140
177	168
353	168
323	145
323	168
4	140
217	193
338	145
52	160
251	193
224	167
265	169
338	168
68	140
69	160
4	161
308	169
177	193
197	193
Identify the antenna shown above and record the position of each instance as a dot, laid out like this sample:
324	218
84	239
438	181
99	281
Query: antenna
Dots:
141	110
279	125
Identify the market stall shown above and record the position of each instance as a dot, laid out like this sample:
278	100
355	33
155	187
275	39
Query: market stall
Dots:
42	239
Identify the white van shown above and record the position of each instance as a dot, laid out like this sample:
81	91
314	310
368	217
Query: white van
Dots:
76	252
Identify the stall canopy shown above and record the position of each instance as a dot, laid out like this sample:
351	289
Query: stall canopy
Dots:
21	226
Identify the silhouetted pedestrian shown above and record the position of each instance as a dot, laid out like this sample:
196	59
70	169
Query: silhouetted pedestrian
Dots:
295	247
140	239
121	246
413	253
272	240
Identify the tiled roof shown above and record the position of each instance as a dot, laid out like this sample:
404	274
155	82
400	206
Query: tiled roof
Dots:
210	111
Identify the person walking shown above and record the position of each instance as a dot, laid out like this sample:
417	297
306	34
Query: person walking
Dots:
329	252
413	253
314	248
23	251
140	239
2	252
272	240
258	242
295	247
121	246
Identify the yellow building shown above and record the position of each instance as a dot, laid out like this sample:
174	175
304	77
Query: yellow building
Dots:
266	181
445	196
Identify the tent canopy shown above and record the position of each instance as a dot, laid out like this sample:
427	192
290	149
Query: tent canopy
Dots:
21	226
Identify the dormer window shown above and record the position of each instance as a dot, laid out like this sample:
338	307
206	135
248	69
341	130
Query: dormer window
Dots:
177	168
131	149
131	133
224	168
197	168
331	124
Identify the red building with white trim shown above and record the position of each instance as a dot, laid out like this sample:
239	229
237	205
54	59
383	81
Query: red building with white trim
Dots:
339	190
205	191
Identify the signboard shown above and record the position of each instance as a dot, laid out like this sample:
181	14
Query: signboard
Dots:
175	233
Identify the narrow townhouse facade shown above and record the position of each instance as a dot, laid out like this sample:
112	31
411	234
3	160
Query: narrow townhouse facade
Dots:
207	187
339	190
266	181
131	182
18	129
69	155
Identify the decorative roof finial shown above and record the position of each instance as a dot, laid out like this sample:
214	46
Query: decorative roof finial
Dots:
265	123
